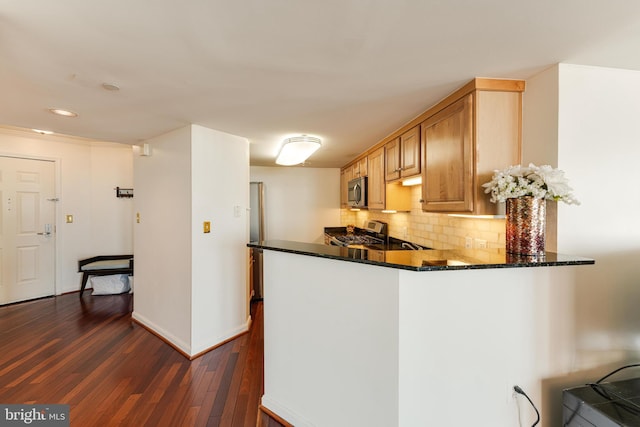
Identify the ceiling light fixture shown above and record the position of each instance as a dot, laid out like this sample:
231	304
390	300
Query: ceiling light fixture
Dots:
61	112
42	132
297	149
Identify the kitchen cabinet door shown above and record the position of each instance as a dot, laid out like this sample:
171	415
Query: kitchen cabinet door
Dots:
376	181
410	152
402	155
346	175
463	144
359	168
392	160
447	138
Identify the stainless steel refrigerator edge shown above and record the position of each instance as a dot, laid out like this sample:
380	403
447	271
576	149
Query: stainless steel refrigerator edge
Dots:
256	234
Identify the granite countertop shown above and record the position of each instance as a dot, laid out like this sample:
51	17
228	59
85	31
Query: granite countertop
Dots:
424	260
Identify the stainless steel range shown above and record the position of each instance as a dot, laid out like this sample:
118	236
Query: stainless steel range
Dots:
373	235
355	239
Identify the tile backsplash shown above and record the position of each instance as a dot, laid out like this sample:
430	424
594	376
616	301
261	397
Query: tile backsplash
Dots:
434	230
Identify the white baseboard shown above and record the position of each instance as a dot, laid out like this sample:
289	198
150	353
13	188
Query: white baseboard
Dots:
285	413
169	337
226	336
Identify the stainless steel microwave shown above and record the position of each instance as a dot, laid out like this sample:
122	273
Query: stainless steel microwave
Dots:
358	193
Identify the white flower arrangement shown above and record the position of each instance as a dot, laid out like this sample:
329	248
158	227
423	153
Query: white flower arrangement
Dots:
542	182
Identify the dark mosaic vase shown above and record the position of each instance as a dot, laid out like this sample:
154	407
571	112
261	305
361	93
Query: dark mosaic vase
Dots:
525	223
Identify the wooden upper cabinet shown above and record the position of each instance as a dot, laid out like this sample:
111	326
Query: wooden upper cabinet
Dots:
363	165
463	144
360	168
447	178
410	152
497	141
402	155
346	175
385	195
392	160
376	180
455	146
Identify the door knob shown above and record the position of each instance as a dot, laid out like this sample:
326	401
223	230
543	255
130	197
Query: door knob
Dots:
47	230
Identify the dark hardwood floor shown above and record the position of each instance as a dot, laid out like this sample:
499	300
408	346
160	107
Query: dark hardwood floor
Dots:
89	354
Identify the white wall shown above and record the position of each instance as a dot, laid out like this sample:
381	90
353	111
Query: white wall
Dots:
191	287
87	171
299	201
540	134
111	216
467	337
163	237
596	135
330	341
540	118
432	348
220	191
599	143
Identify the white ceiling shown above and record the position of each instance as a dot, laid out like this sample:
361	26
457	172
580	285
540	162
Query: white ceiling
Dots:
348	71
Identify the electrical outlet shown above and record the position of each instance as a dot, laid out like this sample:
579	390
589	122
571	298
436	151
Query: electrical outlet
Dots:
481	243
468	242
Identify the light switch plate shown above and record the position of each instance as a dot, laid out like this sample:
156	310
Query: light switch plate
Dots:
69	219
207	226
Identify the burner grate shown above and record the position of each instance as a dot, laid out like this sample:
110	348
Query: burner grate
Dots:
359	239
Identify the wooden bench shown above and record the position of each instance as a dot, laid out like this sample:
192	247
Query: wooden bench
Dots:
104	265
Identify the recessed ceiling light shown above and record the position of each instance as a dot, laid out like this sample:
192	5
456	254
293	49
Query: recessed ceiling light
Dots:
110	86
61	112
42	132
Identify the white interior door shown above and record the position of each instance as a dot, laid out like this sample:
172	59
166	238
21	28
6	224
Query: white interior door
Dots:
27	229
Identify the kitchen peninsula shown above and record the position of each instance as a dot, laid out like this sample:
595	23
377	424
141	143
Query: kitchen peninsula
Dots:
431	337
